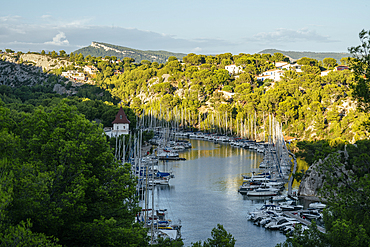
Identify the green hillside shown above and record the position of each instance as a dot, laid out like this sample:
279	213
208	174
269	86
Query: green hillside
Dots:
315	55
97	49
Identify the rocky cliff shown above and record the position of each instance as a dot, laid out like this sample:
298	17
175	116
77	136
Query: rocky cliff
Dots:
43	62
14	74
314	179
311	182
30	70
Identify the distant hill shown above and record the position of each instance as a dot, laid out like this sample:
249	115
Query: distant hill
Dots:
98	49
295	55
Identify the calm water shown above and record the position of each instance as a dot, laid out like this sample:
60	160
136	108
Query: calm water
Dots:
204	193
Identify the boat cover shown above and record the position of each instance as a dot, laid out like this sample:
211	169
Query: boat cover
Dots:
163	174
172	234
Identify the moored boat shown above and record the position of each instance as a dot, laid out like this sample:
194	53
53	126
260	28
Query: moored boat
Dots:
263	192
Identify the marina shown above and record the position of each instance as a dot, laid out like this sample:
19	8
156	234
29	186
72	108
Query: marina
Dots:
195	179
204	193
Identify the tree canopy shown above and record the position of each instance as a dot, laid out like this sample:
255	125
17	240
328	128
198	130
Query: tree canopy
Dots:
61	181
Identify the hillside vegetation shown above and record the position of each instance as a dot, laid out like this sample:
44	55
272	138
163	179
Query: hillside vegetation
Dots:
310	106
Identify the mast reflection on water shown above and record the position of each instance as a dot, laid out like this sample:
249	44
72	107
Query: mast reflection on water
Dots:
204	193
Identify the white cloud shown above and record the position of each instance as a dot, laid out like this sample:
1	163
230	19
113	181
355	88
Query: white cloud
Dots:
289	35
45	16
59	39
19	35
10	18
197	49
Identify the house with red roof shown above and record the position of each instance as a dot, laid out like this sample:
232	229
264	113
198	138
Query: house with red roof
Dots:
341	67
121	124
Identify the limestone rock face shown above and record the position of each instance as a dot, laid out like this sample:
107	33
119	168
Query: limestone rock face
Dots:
46	63
59	89
311	181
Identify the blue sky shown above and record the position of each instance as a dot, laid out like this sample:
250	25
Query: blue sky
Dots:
202	27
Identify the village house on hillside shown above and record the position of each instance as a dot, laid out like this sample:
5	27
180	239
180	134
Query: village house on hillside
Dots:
337	68
272	74
75	75
227	95
92	70
341	67
233	69
276	74
121	125
283	65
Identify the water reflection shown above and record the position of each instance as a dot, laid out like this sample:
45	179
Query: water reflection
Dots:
302	165
204	193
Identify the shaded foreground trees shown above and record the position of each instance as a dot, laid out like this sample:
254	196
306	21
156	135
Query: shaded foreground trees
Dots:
59	180
220	238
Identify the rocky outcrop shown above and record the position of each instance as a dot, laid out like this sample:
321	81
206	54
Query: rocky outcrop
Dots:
311	181
45	62
28	70
14	75
59	89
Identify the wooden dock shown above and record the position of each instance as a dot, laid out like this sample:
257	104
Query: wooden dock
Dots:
303	221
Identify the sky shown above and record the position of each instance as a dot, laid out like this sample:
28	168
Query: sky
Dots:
201	27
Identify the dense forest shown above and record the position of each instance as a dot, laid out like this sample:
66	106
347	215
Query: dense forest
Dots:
60	183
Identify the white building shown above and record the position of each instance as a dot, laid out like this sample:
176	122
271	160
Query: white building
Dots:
233	69
297	67
121	124
282	65
90	69
325	72
75	75
288	66
273	74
